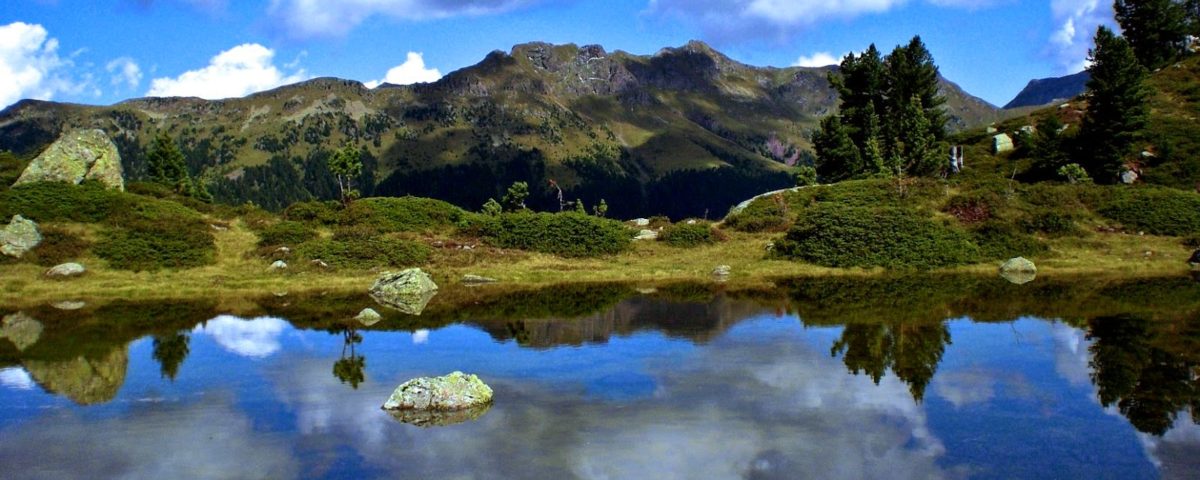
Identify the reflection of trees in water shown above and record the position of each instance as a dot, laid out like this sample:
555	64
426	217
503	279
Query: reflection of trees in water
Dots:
1150	385
350	369
170	351
912	352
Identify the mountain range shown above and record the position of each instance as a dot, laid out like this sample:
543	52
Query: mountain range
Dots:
686	131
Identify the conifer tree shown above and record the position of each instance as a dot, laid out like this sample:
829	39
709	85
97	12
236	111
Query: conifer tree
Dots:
911	74
1117	108
1155	29
165	164
839	158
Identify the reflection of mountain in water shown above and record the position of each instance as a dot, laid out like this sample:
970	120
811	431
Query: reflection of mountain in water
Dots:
84	380
699	322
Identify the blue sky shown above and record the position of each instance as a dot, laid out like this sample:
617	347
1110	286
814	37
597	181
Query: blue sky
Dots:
105	51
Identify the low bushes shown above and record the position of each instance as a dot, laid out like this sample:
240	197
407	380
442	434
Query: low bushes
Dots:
147	245
57	246
319	212
762	215
689	235
403	214
568	234
358	251
840	236
1159	211
998	240
285	233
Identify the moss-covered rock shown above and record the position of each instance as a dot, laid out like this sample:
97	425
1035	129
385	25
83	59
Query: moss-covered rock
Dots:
407	291
456	391
20	236
76	156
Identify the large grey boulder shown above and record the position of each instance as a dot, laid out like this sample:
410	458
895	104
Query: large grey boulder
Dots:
20	236
20	329
407	291
1001	143
1018	270
64	270
456	391
78	155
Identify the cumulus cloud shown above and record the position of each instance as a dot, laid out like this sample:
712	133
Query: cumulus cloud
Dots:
413	70
30	65
819	59
236	72
1076	22
331	18
255	338
124	71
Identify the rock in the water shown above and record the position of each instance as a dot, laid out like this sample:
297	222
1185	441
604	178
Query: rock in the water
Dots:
1018	270
1001	143
722	270
64	270
641	222
368	317
440	418
1194	261
278	265
78	155
20	236
455	391
20	329
470	279
646	235
407	291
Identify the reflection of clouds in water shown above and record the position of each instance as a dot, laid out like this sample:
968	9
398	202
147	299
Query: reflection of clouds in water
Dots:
207	440
420	337
1175	452
1071	354
778	409
256	338
16	378
965	387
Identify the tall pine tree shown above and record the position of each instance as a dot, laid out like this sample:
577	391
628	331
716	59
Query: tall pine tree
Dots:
1154	28
1117	110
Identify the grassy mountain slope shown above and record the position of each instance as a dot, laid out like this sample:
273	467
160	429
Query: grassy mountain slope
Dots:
684	132
1043	91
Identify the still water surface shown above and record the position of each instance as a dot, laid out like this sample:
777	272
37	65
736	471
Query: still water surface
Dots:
649	385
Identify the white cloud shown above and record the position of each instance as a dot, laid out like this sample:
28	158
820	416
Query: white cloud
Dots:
16	378
236	72
30	65
333	18
420	337
819	59
255	338
1076	22
413	70
124	71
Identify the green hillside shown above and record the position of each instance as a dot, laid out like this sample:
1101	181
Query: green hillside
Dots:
684	132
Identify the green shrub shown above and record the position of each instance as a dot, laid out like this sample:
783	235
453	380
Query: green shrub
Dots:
285	233
148	245
320	212
840	236
366	251
1192	241
1050	222
1159	211
568	234
403	214
685	235
761	215
57	246
55	201
999	240
973	207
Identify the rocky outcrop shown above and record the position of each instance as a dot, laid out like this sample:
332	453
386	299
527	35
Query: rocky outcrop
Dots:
20	329
456	391
84	380
20	236
407	291
76	156
1018	270
65	270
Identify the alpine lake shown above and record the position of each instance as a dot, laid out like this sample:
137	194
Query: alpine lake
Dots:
890	377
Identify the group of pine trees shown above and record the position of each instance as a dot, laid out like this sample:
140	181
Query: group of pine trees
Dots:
891	119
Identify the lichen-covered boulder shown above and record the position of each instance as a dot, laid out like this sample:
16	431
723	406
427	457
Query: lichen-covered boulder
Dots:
64	270
407	291
1018	270
1001	143
76	156
368	317
456	391
20	329
646	235
20	236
